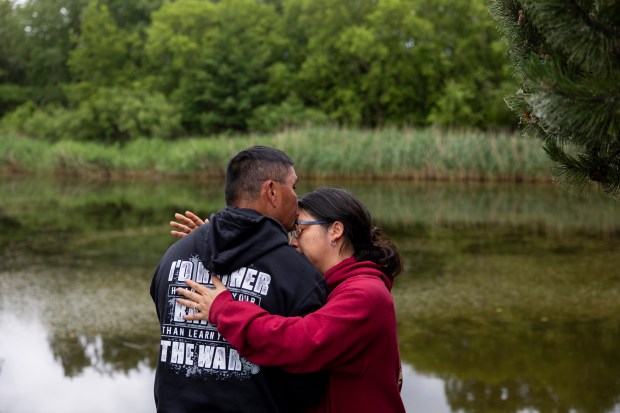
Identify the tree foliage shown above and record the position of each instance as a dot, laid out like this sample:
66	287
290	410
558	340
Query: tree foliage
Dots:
250	65
566	56
104	53
217	61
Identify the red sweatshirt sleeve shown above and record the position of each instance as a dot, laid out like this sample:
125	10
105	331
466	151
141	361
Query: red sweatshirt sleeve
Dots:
326	339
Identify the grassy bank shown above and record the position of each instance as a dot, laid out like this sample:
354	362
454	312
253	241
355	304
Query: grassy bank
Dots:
423	154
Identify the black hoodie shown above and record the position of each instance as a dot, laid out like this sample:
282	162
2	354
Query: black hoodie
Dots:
198	370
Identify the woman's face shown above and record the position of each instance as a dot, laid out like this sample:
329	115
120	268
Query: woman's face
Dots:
312	242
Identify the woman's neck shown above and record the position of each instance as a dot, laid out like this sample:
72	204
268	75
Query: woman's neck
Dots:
339	254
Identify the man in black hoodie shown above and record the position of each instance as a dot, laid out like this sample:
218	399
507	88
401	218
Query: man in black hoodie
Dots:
246	244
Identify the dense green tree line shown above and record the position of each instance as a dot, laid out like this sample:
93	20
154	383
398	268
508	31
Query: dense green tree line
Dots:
112	70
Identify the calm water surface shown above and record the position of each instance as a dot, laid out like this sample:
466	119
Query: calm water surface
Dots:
511	300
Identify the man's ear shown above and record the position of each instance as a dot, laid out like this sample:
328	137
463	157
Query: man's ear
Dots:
268	188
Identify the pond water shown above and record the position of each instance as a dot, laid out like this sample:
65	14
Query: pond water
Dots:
510	301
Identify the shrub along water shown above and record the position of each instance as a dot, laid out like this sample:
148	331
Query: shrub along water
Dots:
319	152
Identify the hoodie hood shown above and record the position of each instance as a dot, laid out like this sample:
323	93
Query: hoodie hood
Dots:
237	236
350	268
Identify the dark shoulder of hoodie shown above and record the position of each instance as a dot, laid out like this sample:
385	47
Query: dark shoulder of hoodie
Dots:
182	249
305	286
154	288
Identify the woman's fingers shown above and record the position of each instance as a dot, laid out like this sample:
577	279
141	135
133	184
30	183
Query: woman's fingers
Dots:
195	219
199	288
186	224
188	303
200	297
190	295
219	286
193	301
182	230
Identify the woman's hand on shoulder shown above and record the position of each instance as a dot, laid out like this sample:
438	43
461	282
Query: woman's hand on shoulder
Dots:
187	224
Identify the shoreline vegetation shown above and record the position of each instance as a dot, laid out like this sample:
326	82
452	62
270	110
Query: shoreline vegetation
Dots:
424	154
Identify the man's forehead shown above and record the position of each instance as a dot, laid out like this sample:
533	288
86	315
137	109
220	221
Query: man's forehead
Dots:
292	175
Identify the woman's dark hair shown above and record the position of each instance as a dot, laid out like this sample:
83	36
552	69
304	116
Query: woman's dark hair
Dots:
335	204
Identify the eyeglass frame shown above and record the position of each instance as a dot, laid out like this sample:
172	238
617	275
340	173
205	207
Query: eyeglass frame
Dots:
296	233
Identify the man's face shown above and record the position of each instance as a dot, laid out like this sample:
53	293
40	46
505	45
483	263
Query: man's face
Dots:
286	211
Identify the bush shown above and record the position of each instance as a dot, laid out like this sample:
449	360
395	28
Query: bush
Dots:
108	115
117	115
290	113
12	95
51	122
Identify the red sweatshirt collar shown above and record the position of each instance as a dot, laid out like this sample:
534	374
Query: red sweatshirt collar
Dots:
348	268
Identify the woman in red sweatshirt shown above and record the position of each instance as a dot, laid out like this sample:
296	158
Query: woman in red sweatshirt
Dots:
353	337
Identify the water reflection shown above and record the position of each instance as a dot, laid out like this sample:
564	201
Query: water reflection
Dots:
511	368
561	368
511	300
423	393
35	379
82	374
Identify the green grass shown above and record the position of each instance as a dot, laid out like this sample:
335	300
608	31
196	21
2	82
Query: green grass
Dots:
321	152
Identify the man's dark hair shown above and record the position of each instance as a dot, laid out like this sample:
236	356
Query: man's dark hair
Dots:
248	169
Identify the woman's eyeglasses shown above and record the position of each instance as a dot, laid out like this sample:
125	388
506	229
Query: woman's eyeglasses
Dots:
296	232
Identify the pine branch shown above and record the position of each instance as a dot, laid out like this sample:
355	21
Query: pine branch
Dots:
523	38
578	171
566	55
575	32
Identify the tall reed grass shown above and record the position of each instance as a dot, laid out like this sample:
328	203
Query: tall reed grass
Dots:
320	152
